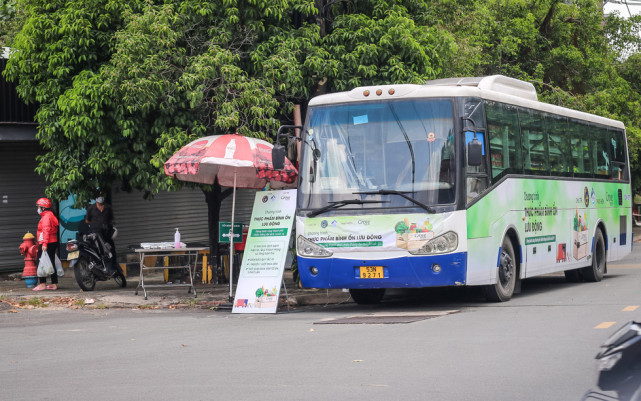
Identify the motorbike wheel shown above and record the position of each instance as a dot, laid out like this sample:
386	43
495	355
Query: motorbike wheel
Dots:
84	277
120	279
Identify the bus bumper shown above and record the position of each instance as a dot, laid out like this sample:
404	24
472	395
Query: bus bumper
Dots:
403	272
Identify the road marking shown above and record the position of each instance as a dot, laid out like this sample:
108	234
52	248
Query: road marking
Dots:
630	308
605	325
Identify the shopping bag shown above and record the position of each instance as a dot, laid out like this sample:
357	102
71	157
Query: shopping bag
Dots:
45	268
59	270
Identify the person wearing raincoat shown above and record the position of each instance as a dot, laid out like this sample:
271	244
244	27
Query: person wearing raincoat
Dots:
47	237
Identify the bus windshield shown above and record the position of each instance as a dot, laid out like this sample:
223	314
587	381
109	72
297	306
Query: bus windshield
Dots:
401	153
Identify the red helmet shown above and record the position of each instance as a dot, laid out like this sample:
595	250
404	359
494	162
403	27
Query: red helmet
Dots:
44	202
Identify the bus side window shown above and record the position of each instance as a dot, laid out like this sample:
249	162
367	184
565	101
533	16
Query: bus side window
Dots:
535	146
504	139
476	180
619	166
603	155
559	145
581	138
475	186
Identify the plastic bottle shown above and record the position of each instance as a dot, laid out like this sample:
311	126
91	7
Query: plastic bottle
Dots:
177	239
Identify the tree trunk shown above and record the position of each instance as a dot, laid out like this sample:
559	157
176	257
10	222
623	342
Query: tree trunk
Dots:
214	198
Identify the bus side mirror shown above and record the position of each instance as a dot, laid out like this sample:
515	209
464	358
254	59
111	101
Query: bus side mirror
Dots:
278	156
474	153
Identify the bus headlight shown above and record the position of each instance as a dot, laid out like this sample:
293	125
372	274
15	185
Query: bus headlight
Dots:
307	248
445	243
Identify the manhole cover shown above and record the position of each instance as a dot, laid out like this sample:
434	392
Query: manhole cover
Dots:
386	318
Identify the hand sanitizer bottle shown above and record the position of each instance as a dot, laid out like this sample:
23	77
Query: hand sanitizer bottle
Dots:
177	239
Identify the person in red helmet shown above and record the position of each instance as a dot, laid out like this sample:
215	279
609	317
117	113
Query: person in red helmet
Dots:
47	237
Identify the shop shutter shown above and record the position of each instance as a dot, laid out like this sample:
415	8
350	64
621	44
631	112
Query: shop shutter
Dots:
244	205
139	220
20	187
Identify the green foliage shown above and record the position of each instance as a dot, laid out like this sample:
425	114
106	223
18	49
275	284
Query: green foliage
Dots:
123	85
9	21
568	50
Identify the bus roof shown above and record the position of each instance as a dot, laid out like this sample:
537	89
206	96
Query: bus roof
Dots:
494	87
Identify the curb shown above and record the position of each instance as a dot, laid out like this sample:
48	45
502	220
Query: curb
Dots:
22	298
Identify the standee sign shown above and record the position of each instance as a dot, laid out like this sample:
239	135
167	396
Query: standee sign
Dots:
261	272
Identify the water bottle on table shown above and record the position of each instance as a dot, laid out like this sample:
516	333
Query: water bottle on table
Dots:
177	239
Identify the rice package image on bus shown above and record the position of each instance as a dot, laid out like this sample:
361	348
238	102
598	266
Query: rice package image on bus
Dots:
465	181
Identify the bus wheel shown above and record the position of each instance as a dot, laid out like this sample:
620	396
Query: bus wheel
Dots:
367	296
504	288
595	272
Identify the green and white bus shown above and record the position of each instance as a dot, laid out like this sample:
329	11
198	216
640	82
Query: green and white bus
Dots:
466	181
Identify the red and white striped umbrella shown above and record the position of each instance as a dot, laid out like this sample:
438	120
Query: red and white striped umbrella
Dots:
224	157
236	161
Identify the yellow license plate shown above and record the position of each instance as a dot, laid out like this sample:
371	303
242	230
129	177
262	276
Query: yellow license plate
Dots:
73	255
371	271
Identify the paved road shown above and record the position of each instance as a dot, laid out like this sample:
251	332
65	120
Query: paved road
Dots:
539	346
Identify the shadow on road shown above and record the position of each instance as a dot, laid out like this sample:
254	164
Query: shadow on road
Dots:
460	297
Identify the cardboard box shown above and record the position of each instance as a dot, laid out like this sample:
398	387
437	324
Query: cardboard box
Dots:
580	244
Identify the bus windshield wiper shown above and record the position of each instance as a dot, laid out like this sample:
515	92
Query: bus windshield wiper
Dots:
336	205
399	193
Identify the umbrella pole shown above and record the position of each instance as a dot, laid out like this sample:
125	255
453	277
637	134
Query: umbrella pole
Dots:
231	240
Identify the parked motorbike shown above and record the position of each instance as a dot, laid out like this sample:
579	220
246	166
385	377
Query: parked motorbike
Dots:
620	365
90	257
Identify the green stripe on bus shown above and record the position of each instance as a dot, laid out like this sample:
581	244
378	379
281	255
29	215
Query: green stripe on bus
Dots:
540	240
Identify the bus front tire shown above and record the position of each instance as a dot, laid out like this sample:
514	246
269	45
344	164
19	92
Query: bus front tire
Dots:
595	271
506	276
368	296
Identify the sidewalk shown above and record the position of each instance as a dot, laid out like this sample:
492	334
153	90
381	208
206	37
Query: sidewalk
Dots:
14	295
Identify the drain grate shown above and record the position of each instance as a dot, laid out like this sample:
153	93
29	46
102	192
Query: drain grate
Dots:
387	318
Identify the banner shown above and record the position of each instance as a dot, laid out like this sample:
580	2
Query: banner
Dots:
377	233
261	272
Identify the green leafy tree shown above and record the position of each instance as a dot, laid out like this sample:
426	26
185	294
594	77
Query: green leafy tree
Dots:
9	21
574	55
123	85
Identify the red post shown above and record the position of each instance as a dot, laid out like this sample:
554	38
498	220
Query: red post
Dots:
29	249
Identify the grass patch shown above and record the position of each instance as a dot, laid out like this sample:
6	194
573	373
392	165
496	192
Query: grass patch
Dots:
35	302
190	302
148	306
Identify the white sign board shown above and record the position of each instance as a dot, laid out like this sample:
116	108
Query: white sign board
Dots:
261	272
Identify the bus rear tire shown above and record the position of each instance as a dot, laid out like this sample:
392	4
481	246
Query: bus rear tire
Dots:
367	296
503	290
594	272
